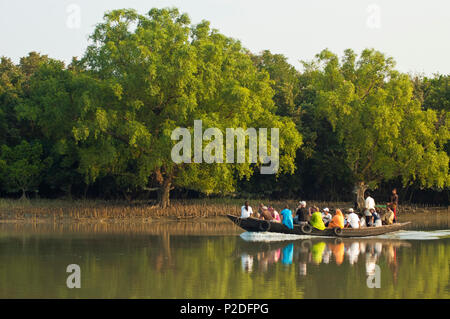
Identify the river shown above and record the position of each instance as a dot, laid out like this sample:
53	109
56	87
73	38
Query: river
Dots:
214	259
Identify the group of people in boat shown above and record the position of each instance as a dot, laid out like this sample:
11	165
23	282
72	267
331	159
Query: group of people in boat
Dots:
370	216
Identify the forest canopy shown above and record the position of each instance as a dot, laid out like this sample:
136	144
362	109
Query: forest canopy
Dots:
101	126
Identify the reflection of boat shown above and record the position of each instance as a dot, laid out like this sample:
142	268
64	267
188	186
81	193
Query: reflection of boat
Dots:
316	251
253	247
257	225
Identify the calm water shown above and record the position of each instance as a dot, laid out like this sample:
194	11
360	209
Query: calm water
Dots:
214	260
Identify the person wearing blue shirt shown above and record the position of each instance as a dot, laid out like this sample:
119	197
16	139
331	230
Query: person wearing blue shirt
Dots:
286	217
376	218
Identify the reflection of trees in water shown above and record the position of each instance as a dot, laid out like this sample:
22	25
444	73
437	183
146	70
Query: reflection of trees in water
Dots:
212	227
322	252
116	266
164	259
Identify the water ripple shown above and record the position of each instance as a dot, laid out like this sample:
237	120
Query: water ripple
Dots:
402	234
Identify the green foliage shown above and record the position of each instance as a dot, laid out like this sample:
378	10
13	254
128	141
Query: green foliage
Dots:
437	95
434	93
11	79
162	73
105	121
383	129
285	81
21	166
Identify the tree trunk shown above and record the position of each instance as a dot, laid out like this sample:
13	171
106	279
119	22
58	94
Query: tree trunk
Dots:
361	188
127	196
24	195
69	192
411	196
164	193
86	187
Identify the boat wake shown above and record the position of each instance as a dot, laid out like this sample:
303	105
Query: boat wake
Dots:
418	235
400	235
271	237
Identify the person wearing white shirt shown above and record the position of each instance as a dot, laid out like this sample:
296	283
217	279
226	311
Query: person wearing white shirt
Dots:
370	204
353	219
246	211
362	221
326	216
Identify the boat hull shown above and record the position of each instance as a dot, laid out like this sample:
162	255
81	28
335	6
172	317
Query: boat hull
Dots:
257	225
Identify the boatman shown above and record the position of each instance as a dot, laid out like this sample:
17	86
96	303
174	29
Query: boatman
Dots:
394	203
246	210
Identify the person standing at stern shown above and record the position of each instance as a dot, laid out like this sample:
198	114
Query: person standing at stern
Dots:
394	203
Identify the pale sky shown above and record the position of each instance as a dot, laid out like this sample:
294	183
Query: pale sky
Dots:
415	33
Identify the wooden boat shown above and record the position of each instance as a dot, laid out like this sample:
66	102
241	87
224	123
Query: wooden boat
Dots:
257	225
